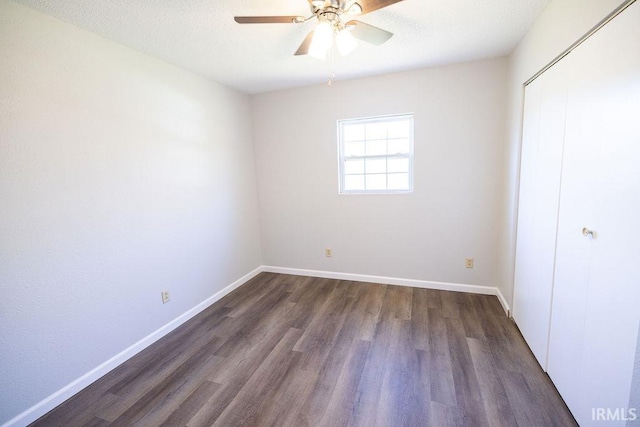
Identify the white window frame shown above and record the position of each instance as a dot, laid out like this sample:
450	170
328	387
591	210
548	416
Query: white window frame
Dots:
342	158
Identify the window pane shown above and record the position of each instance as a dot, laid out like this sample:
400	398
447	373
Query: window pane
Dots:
376	130
398	181
399	146
398	165
376	148
377	182
398	129
353	132
376	154
354	167
354	148
376	165
354	182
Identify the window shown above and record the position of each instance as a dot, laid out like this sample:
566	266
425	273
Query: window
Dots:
376	154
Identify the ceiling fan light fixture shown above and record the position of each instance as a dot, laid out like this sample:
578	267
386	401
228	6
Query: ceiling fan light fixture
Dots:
345	42
321	41
317	53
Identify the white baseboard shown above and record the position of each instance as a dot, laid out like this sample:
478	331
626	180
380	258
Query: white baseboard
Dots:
425	284
55	399
503	303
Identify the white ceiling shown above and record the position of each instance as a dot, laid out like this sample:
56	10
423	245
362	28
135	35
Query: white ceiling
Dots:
201	36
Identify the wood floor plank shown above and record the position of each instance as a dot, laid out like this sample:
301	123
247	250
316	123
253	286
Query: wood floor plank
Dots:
233	373
449	306
404	395
309	298
182	380
341	409
237	366
441	415
471	313
239	307
442	387
468	396
148	375
96	422
359	324
253	324
191	404
369	299
294	351
420	319
395	312
518	393
255	287
494	396
81	409
287	400
434	298
245	408
177	393
398	302
318	336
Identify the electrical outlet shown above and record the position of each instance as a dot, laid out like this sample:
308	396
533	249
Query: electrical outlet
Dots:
165	296
328	252
468	262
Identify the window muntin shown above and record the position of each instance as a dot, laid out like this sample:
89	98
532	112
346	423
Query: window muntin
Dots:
376	154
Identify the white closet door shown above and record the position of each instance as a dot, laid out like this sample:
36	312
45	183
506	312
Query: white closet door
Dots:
596	299
542	146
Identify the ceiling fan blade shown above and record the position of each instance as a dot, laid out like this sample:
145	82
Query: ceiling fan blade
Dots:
304	47
371	5
268	19
369	33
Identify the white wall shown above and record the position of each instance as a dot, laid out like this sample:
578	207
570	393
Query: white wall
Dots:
452	213
561	24
120	176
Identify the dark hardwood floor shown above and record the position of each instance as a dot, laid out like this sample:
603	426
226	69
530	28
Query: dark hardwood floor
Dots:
299	351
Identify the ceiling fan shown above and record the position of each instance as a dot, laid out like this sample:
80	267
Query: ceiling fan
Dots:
331	16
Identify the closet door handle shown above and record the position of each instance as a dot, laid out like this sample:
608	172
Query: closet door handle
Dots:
588	233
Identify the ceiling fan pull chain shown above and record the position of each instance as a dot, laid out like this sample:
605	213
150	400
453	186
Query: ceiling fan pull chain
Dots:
332	71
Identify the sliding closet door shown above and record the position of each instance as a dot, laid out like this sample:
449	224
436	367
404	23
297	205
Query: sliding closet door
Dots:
542	146
596	299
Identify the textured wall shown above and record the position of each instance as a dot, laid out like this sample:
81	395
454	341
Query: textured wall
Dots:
120	176
425	235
